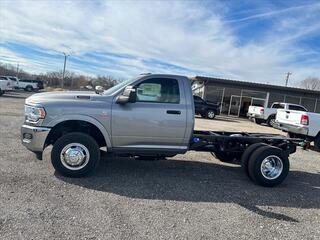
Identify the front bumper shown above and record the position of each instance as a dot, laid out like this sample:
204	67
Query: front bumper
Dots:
302	130
33	138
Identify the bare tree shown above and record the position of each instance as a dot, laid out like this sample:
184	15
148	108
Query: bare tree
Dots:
311	83
53	79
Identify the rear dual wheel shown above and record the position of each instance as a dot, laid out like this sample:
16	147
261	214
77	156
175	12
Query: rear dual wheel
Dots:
266	165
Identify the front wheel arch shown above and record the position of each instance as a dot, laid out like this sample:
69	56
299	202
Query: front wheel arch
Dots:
68	126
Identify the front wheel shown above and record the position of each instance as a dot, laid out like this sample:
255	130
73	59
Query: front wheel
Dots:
271	120
29	88
211	114
1	92
268	166
75	155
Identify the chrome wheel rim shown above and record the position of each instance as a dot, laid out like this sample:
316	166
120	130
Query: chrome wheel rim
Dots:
271	167
272	122
211	114
74	156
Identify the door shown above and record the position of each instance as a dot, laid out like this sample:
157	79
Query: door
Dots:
199	105
234	105
157	120
245	104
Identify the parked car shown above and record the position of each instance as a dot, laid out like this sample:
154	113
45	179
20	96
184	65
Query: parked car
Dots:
301	124
4	86
149	116
13	82
30	85
205	109
268	115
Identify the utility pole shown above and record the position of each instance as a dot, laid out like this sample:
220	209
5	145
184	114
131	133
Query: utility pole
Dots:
64	68
287	78
17	74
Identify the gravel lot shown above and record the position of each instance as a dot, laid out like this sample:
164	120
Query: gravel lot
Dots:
191	196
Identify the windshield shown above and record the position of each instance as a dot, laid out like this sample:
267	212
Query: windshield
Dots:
117	87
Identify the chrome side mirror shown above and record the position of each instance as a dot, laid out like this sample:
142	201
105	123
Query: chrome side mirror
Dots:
99	89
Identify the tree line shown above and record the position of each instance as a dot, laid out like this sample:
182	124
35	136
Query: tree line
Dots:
73	80
53	79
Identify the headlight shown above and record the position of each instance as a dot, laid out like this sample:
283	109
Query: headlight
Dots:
33	114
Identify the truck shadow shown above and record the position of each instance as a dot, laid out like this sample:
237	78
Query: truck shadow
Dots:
222	118
312	148
194	181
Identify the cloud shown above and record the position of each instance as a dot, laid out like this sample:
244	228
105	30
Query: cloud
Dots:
184	37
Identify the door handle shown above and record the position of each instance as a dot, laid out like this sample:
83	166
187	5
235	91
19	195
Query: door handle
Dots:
173	112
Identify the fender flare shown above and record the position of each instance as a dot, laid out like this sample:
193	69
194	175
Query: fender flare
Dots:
84	118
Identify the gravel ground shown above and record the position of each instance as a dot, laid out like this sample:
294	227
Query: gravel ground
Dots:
191	196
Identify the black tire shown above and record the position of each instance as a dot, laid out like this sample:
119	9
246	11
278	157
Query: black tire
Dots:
1	92
256	160
317	143
29	88
210	114
227	157
247	154
77	138
271	120
259	121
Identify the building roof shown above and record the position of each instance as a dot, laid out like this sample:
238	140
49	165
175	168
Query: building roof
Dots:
254	84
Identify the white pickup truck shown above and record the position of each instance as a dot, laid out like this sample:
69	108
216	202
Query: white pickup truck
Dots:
12	82
4	86
302	124
268	115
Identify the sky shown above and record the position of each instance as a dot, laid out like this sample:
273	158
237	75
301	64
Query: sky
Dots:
249	40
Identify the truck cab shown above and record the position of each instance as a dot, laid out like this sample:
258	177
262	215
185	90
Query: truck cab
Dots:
149	115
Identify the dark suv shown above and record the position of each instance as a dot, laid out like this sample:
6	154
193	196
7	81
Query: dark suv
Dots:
205	109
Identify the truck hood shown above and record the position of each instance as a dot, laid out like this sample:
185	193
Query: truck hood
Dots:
62	96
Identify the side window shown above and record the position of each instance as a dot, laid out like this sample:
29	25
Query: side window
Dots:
278	106
297	108
160	90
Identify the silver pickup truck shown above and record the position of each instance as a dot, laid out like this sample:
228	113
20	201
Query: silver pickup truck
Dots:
151	116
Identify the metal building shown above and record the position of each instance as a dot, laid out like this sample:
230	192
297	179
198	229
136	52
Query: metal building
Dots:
236	96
